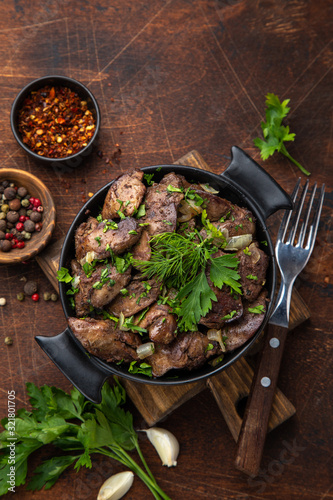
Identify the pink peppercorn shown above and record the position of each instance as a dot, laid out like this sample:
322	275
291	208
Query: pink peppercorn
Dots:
36	203
19	226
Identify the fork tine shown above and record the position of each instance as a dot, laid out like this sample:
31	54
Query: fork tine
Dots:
315	222
286	218
297	214
307	216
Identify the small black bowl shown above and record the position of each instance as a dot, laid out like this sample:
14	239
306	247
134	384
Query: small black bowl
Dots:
67	162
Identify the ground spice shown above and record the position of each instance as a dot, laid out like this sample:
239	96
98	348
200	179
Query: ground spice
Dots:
55	122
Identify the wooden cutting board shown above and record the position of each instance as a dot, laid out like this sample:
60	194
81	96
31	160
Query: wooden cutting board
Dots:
230	388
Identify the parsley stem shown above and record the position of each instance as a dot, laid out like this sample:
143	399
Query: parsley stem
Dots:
123	457
285	152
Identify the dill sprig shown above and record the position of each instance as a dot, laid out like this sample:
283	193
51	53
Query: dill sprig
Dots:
176	258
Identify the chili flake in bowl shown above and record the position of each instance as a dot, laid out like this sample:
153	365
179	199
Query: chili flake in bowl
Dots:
56	120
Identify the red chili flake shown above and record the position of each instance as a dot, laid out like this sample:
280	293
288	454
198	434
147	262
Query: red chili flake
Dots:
55	122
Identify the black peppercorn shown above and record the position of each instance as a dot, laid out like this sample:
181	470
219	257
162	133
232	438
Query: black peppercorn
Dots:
29	226
2	235
3	225
35	216
30	287
15	204
22	191
12	216
6	245
10	193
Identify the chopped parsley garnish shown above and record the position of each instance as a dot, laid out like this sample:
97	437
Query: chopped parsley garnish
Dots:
149	179
98	239
123	263
121	215
141	211
230	315
109	224
251	277
257	309
209	347
63	275
173	189
142	368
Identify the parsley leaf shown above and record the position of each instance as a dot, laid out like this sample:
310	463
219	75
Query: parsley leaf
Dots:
274	133
222	272
142	368
72	423
257	309
46	474
63	275
196	301
149	179
141	211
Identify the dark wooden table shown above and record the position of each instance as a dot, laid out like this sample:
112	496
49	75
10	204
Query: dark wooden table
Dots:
171	76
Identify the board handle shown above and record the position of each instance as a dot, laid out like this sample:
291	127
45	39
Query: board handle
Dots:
259	185
81	370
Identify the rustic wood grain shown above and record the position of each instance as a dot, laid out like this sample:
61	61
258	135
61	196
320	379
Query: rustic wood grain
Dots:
173	76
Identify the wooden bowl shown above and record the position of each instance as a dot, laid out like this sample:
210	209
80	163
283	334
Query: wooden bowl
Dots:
40	239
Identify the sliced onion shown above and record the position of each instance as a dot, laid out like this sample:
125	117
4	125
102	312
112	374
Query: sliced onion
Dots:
89	257
76	281
216	361
120	324
208	188
239	242
255	254
216	335
188	210
196	209
185	217
145	350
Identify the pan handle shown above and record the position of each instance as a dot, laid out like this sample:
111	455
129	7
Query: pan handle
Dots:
256	183
85	374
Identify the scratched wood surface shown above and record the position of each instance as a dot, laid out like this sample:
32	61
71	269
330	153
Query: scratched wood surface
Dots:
171	76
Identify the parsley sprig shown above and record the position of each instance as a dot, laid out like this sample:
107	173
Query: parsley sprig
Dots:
275	134
182	261
76	426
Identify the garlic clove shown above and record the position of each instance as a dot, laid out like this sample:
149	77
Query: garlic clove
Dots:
116	486
165	443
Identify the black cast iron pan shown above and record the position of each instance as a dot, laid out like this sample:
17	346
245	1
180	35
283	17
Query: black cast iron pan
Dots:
245	183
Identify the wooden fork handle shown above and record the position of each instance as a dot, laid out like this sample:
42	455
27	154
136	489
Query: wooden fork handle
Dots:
255	422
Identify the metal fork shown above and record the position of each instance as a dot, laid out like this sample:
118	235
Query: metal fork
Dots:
292	255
